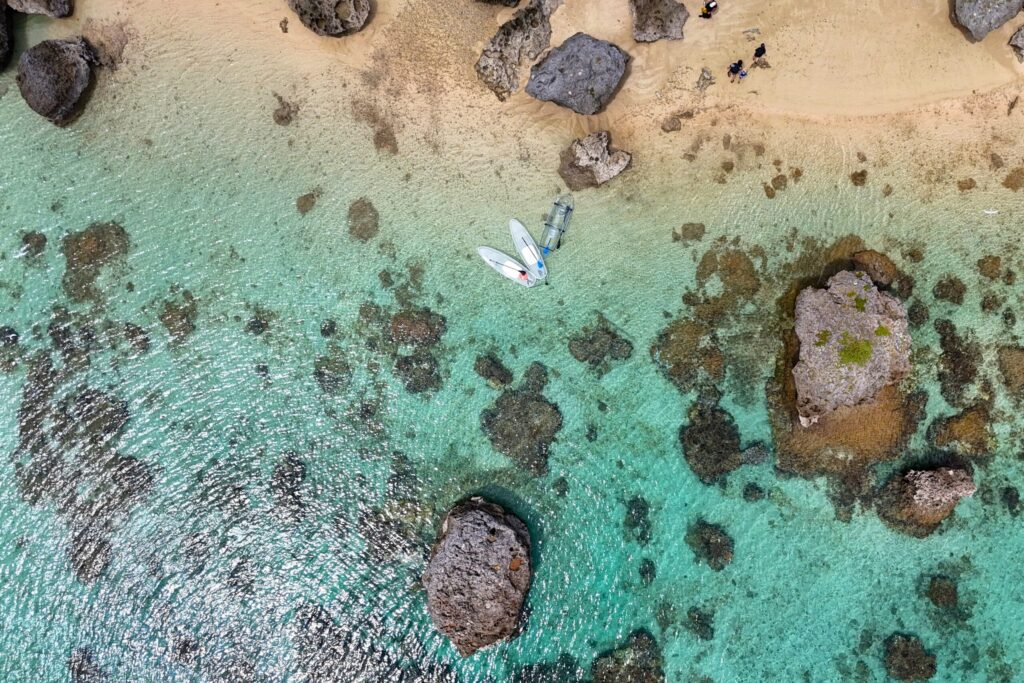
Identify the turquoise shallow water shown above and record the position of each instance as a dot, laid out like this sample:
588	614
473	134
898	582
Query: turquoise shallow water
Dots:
213	563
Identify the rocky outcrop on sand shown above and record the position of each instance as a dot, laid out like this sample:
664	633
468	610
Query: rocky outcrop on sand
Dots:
657	19
1016	42
582	74
332	17
854	340
916	502
54	77
478	575
639	660
522	423
591	161
980	17
527	33
51	8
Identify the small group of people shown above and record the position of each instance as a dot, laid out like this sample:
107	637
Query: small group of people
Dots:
736	70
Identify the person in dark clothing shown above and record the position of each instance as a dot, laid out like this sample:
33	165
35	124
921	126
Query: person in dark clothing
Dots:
760	52
708	9
734	70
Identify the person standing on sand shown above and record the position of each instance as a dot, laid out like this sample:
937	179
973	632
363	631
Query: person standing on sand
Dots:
708	9
734	70
759	53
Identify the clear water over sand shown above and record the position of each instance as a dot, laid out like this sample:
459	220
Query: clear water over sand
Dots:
211	564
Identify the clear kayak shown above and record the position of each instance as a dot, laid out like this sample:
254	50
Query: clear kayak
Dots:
507	266
527	248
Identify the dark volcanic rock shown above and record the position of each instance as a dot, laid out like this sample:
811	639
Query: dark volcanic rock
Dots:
915	503
332	17
522	424
711	442
527	32
590	161
710	544
51	8
638	661
493	370
980	17
5	37
906	659
599	344
86	253
54	77
582	74
657	19
1016	42
478	575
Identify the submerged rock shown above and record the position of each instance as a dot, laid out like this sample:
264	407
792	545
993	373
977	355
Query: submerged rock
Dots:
590	161
710	544
639	660
1016	42
363	220
418	371
915	503
83	668
51	8
54	77
490	367
332	17
86	253
527	32
599	344
906	659
657	19
178	315
522	423
582	74
478	575
877	265
980	17
711	442
968	433
417	327
854	340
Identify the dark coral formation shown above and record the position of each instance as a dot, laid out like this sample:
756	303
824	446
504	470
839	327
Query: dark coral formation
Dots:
1011	367
332	373
958	364
906	659
522	423
478	575
968	433
917	502
54	77
710	441
637	523
599	344
363	220
417	327
178	316
942	592
950	288
638	660
710	544
87	253
701	623
490	367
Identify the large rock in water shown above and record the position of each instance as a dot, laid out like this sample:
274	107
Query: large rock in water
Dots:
527	32
582	74
657	19
54	77
590	161
1016	42
917	502
332	17
478	575
980	17
854	340
51	8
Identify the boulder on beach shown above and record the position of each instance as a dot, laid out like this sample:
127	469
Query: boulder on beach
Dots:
916	502
478	575
980	17
1016	42
51	8
854	340
657	19
591	161
54	77
332	17
528	33
582	74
